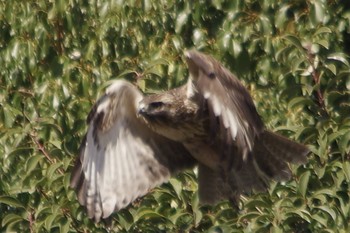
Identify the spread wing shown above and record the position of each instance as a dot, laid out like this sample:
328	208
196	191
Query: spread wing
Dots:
121	158
237	132
230	107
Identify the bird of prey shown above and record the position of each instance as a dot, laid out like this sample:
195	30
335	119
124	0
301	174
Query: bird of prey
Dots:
136	142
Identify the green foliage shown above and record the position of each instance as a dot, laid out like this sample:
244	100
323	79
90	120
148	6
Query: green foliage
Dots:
55	57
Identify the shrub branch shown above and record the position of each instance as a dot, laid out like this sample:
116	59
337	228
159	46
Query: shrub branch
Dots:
316	79
42	149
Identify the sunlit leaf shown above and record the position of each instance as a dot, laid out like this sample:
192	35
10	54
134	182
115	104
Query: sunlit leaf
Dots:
322	30
317	12
303	183
341	57
11	219
329	211
332	68
181	20
12	202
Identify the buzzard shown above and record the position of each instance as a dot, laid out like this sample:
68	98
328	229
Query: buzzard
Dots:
135	142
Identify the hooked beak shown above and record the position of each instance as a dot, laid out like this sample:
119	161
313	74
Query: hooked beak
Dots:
142	109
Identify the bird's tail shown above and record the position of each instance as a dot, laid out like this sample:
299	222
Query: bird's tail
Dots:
273	152
268	160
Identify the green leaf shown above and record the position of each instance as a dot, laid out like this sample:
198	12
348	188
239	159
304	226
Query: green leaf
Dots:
346	169
219	229
198	38
303	214
181	20
304	183
338	134
248	216
322	30
225	41
11	219
323	43
126	219
147	213
317	12
9	115
326	191
177	43
217	4
12	202
64	225
320	219
49	220
331	67
176	185
329	211
300	102
257	203
198	216
341	57
32	162
294	41
344	144
52	169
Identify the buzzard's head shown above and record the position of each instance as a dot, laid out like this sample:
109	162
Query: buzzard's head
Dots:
162	107
169	114
169	107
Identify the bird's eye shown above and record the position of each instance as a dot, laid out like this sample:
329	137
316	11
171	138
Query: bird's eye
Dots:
156	104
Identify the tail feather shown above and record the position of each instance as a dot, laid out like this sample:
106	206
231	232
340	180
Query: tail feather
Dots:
273	152
283	148
269	164
268	160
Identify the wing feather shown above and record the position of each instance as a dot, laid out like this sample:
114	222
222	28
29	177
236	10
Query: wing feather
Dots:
227	99
250	155
121	158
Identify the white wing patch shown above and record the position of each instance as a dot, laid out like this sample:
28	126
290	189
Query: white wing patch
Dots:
217	107
233	122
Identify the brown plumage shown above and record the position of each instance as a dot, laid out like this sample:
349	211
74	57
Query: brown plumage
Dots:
137	142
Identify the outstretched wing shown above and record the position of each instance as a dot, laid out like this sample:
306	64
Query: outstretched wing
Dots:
231	109
121	158
238	133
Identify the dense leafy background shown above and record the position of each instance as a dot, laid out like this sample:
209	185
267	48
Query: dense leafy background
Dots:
56	55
